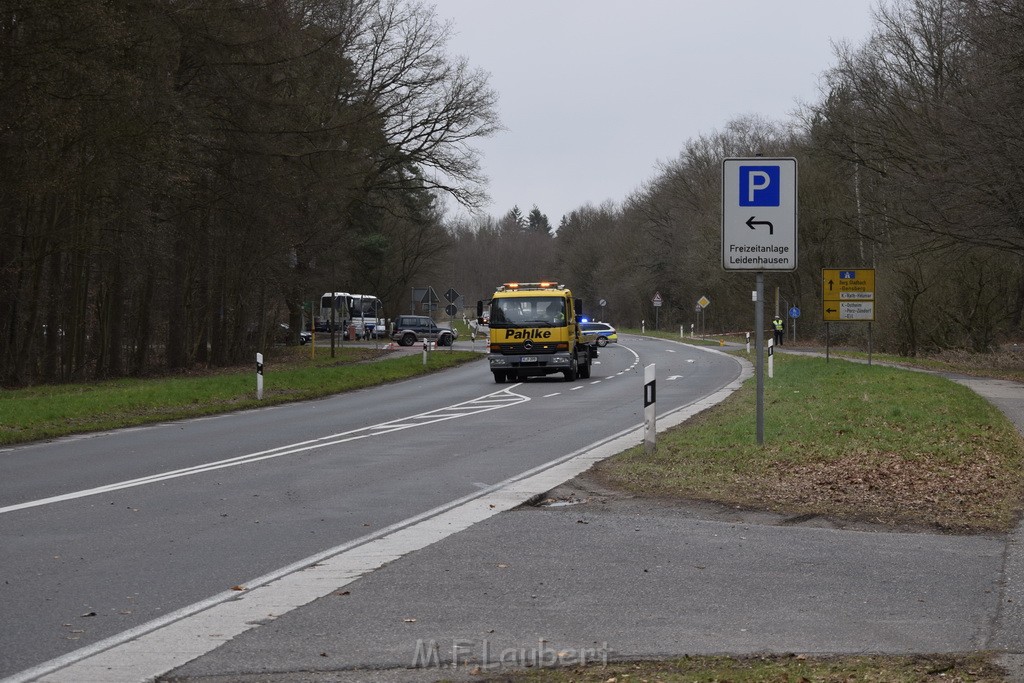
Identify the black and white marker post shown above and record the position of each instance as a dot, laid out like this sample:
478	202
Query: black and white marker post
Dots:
259	376
650	425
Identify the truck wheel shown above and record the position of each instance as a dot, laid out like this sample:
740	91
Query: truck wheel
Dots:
573	371
585	368
408	339
499	376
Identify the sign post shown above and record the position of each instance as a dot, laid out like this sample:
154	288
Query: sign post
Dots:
657	301
759	233
452	296
703	303
759	352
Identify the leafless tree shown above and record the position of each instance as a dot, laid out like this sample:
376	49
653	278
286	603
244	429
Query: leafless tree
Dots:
180	174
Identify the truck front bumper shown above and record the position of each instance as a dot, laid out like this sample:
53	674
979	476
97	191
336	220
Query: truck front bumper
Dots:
531	364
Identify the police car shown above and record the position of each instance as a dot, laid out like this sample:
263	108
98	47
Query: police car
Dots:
605	333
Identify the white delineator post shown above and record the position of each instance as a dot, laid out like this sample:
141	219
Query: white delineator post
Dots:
650	425
771	358
259	376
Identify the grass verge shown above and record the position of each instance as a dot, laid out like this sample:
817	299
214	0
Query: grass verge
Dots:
1007	365
973	668
45	412
846	440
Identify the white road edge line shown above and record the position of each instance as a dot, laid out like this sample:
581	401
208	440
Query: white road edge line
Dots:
159	646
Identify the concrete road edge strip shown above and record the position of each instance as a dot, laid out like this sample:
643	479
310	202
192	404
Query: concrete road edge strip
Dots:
161	645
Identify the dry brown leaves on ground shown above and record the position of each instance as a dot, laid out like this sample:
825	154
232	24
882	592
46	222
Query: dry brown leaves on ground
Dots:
885	487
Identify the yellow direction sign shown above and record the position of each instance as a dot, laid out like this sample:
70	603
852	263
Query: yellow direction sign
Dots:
848	294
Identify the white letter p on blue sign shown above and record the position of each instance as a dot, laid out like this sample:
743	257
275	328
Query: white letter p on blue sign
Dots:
759	186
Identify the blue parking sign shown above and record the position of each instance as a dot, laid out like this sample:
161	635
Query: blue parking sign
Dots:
759	213
759	186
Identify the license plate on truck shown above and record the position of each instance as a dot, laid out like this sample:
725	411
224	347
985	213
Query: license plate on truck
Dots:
529	359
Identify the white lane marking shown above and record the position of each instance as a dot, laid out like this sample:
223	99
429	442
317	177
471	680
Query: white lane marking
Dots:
153	649
499	399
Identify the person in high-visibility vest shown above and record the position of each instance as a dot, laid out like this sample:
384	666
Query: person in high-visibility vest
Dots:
779	327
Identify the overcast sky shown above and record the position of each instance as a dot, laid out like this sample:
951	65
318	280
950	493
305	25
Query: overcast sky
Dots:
594	93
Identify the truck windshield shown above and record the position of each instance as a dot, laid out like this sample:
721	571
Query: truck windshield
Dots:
541	311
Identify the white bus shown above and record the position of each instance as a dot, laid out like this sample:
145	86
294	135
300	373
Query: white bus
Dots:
362	311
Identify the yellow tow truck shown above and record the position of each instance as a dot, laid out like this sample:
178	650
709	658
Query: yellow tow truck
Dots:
535	330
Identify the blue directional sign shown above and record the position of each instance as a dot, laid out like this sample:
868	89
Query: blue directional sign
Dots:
759	212
794	312
847	274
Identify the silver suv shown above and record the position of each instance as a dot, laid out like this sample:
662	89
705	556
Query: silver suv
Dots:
409	329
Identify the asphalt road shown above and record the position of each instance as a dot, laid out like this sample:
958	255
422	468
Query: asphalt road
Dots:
608	578
597	574
481	581
107	534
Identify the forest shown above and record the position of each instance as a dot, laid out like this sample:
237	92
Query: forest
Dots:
182	177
